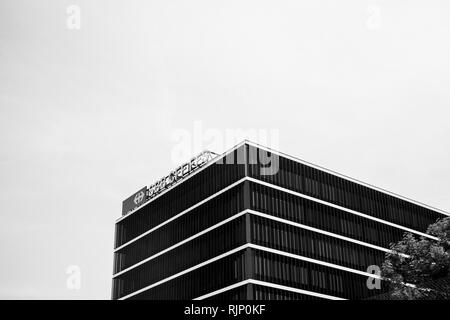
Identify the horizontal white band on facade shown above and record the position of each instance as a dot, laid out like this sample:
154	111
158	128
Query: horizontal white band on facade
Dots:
260	214
340	175
181	214
270	185
311	260
256	247
182	242
316	230
223	255
270	285
329	204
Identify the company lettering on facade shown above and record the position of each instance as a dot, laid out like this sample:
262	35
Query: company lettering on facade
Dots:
145	194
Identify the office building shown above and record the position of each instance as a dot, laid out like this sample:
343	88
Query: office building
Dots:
254	223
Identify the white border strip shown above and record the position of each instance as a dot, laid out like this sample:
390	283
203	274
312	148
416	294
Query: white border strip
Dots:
273	186
340	175
257	247
271	285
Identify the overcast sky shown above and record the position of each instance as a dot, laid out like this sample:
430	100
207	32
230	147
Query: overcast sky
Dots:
88	116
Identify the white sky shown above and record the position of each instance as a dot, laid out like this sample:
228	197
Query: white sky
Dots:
87	116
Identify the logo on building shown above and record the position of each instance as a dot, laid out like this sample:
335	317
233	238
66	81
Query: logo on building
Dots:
139	197
134	201
180	173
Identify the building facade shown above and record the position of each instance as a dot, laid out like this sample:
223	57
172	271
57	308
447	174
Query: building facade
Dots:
257	224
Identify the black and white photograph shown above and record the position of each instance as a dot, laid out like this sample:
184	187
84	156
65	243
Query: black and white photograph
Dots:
224	155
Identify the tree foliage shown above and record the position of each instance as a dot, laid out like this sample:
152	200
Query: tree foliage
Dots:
416	264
